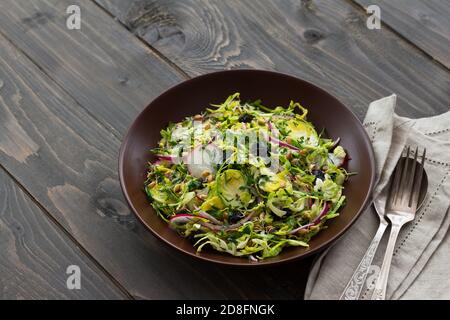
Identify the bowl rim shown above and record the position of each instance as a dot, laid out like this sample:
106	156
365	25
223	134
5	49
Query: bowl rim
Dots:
245	262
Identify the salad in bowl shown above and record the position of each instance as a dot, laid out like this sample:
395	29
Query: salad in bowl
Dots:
247	180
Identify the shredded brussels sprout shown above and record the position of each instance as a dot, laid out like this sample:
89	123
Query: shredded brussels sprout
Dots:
247	180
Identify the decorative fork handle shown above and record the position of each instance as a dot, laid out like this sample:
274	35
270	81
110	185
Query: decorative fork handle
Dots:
356	283
379	292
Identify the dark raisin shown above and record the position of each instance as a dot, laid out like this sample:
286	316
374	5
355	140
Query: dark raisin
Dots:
246	118
319	174
235	217
192	238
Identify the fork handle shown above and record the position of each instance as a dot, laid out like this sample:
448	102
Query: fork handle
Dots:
356	283
379	292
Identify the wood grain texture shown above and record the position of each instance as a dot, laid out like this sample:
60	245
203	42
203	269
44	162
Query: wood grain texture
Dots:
104	67
424	23
68	162
35	254
52	142
325	42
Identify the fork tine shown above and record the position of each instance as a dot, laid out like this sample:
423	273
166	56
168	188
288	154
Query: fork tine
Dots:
411	179
396	181
401	191
418	183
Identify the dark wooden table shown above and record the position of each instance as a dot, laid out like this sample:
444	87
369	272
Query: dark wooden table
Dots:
67	97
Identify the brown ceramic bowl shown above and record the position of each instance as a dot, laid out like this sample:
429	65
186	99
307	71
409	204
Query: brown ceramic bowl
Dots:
193	96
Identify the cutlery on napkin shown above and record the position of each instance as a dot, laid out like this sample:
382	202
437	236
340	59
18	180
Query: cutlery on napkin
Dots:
420	265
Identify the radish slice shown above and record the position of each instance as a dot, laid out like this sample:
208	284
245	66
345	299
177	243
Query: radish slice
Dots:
171	159
181	218
324	211
316	220
335	143
180	133
338	162
280	143
202	159
272	128
206	215
287	145
270	138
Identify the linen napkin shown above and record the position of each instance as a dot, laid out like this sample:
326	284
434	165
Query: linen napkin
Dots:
421	262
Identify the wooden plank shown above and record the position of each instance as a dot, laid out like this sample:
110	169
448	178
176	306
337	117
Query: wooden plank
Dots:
68	162
326	42
104	67
261	43
36	254
424	23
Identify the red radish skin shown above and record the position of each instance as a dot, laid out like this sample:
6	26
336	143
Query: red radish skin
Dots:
187	217
316	221
270	138
337	161
171	159
281	143
240	223
206	215
335	143
182	217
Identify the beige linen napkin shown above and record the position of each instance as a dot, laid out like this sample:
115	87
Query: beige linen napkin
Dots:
421	263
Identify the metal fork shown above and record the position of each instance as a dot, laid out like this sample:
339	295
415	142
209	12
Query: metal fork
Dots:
355	285
401	208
